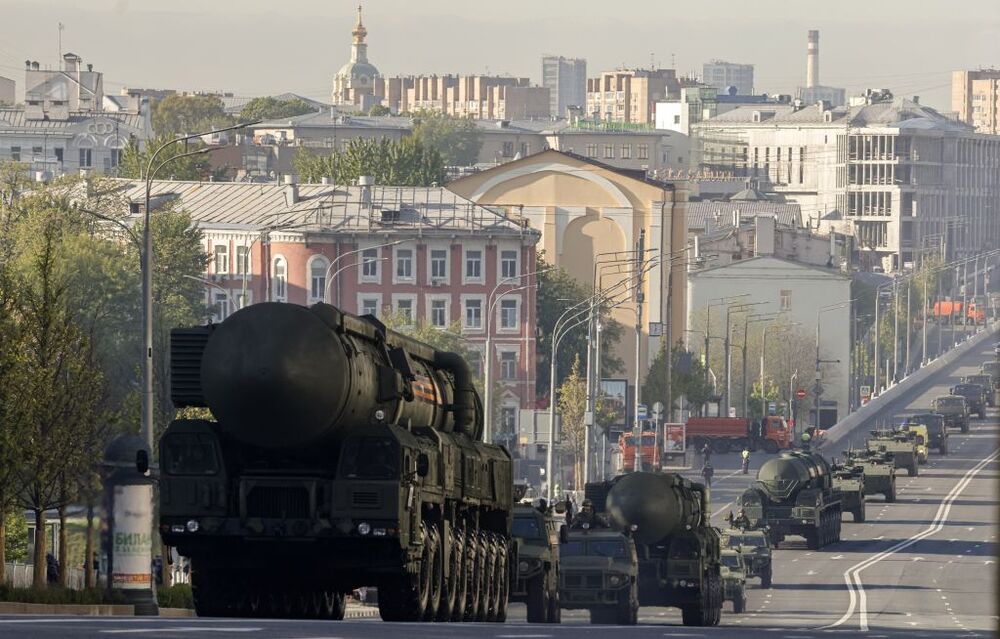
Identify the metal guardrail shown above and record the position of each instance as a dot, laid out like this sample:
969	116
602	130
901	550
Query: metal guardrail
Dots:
19	575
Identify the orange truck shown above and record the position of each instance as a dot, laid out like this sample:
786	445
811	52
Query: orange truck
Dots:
953	309
650	450
733	433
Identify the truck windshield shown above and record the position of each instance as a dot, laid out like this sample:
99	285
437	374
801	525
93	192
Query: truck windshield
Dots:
649	440
526	528
190	454
572	549
949	402
731	561
606	548
370	458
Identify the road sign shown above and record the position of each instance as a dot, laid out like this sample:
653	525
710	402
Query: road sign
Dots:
801	393
656	329
771	408
643	411
658	410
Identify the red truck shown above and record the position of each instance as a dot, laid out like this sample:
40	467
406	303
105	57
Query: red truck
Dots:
952	310
653	458
733	433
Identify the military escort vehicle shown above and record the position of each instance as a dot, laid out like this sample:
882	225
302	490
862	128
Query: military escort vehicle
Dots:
734	579
539	531
954	409
849	478
755	546
975	397
937	432
599	573
986	381
900	447
879	472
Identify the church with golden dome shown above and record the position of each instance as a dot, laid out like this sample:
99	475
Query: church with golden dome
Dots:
355	83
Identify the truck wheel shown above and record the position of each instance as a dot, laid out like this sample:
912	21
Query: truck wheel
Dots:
740	603
487	578
770	446
625	613
473	576
333	605
859	513
405	598
943	449
461	577
555	612
812	539
209	589
436	562
449	585
890	496
765	577
720	446
503	578
538	604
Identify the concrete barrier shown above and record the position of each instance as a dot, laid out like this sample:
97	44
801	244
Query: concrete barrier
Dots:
846	426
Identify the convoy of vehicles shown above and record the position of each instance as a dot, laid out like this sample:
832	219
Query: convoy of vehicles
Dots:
755	546
937	432
954	409
539	532
986	381
879	472
599	573
734	579
849	479
900	447
975	397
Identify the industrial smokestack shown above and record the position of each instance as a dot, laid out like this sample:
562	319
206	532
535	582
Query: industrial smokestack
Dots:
812	59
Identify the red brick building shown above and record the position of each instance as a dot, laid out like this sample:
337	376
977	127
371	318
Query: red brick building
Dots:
423	253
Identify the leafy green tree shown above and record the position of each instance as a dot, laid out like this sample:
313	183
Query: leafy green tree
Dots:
135	160
15	542
406	162
572	406
456	139
184	114
378	110
688	379
271	108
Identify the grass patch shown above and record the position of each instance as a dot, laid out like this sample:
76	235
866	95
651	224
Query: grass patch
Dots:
176	596
60	596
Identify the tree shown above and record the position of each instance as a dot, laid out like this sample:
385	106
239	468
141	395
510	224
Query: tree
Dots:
456	139
15	544
572	404
184	114
405	162
379	110
688	379
271	108
136	159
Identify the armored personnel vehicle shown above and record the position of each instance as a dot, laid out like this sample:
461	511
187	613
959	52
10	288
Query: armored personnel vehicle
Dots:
734	579
850	480
986	381
668	517
975	397
599	573
899	446
937	433
954	409
755	546
794	495
992	368
538	532
342	455
879	472
920	436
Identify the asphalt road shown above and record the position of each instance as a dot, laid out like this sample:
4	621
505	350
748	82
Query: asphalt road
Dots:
924	566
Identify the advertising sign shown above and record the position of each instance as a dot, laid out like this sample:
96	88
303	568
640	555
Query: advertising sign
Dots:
615	393
132	542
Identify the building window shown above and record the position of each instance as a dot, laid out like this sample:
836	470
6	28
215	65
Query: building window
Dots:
508	314
221	259
508	149
609	151
439	265
15	154
36	152
404	264
508	264
59	155
243	260
317	279
439	313
369	306
116	157
220	306
280	291
404	310
525	149
626	151
591	150
786	300
369	265
677	119
474	265
474	313
508	365
86	158
643	151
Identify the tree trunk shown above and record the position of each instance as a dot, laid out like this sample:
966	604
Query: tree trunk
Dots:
3	545
38	578
88	551
63	549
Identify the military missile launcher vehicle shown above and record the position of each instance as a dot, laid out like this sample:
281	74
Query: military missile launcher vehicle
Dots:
599	573
879	472
755	546
794	495
668	517
341	455
900	446
850	480
539	533
734	579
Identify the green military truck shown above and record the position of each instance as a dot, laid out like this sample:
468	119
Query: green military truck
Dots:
794	495
986	381
954	409
668	517
975	397
599	573
992	368
901	447
937	432
734	579
538	533
755	546
879	472
850	480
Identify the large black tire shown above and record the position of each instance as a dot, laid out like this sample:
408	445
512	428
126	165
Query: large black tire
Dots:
554	610
496	576
450	585
461	578
474	575
210	590
406	598
487	583
740	603
538	604
812	539
333	605
912	470
503	578
436	559
890	496
765	577
708	611
770	446
628	615
859	513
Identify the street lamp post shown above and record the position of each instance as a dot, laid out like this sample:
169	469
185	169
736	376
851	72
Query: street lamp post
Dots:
719	301
818	374
763	350
751	319
728	346
336	260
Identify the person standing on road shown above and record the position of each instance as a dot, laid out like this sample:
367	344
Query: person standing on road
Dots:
706	453
707	471
746	459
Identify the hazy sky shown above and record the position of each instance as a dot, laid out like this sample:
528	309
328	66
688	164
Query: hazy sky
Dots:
266	46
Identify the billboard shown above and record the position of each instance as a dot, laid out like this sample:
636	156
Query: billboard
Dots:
616	393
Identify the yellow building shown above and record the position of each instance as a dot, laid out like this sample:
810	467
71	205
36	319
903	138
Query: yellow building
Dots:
586	210
630	95
975	96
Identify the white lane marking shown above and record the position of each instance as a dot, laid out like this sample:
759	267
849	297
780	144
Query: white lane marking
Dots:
837	557
147	631
716	513
852	576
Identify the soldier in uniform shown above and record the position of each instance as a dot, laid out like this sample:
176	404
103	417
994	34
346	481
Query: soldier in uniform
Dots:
587	518
741	521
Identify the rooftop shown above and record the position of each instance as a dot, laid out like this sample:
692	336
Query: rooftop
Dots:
12	120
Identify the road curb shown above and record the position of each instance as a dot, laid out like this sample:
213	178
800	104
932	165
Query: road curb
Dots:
360	612
98	610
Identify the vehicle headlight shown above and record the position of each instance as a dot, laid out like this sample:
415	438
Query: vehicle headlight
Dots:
193	525
364	528
615	580
523	566
684	583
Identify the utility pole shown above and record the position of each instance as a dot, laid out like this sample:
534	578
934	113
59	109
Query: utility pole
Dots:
895	330
923	322
640	252
909	311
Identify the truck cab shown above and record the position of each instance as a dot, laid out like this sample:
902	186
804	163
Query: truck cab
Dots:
650	450
937	433
599	573
954	409
975	396
538	533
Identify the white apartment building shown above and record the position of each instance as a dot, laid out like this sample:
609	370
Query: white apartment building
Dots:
893	173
